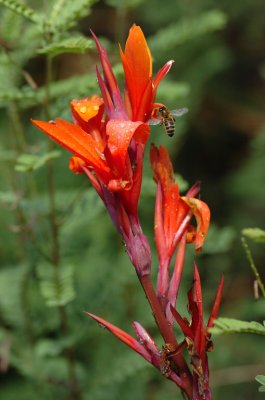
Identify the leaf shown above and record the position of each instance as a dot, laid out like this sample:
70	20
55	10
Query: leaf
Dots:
255	234
123	4
70	45
65	14
223	326
187	29
56	286
261	379
32	162
22	9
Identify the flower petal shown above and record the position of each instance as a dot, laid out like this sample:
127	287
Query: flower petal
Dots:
120	134
123	336
161	74
137	65
216	304
78	142
88	108
76	165
202	214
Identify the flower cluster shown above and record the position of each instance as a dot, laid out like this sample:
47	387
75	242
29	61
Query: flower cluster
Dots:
107	139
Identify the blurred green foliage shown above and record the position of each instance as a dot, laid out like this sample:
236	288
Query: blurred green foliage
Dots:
59	252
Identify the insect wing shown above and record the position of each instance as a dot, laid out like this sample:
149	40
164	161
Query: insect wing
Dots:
154	121
179	112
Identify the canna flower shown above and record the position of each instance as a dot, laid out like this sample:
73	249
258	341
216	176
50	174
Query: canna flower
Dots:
172	216
197	335
108	138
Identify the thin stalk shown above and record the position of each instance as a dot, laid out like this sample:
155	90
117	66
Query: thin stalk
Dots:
253	266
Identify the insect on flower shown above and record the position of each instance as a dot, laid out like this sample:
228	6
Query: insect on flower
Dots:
162	116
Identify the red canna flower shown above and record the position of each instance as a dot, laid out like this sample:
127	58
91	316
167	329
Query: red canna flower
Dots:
173	214
197	335
110	148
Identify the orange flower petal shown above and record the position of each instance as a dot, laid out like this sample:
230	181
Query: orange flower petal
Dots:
137	65
120	134
87	108
75	165
78	142
201	212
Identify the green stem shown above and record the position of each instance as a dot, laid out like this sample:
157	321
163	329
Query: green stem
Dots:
253	266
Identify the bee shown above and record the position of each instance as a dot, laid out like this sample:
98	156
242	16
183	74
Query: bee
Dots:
165	117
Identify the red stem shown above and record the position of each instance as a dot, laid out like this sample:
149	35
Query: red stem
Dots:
168	335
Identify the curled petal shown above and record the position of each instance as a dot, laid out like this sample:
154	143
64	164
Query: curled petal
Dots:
88	108
76	165
202	214
123	336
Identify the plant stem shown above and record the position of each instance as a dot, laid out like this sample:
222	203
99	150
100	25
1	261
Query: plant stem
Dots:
168	334
253	266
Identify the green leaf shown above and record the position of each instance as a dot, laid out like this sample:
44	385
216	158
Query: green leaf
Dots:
187	29
223	326
261	379
22	9
56	286
123	4
65	13
70	45
255	234
32	162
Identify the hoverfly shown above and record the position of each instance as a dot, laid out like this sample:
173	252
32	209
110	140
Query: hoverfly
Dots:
165	117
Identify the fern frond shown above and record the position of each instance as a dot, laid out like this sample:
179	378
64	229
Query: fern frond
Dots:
65	14
57	287
78	44
187	29
22	9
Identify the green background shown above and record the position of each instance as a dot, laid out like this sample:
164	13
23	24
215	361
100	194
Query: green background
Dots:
49	274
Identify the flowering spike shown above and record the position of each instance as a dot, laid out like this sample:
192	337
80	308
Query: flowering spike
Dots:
122	336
